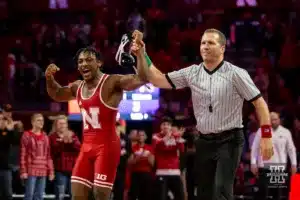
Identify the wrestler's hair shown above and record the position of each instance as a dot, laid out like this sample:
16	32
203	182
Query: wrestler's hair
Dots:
90	50
222	38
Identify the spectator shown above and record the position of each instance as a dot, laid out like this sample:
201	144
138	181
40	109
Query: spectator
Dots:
65	147
133	136
8	136
190	152
179	130
166	146
296	135
35	159
283	147
141	162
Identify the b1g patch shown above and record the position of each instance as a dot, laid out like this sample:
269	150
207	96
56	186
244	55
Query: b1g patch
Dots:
4	133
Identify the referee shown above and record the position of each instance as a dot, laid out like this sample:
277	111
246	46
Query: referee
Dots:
218	91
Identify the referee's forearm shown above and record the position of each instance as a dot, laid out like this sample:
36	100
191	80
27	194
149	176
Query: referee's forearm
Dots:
142	68
262	111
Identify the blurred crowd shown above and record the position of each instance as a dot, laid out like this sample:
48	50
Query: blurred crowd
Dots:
158	164
264	43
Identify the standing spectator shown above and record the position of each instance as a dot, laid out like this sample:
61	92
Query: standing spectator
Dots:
141	162
296	135
133	136
14	156
166	146
65	147
35	159
283	147
190	151
7	138
179	130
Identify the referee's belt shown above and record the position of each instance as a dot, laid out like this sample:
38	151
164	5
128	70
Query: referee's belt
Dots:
219	136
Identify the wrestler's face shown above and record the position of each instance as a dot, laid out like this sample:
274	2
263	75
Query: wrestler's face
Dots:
210	47
88	65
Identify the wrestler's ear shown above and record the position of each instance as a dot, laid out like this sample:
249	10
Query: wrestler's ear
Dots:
99	63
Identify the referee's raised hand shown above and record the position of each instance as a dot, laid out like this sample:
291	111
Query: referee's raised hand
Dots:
266	148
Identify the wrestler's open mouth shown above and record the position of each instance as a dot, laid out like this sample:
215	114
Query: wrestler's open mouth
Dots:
86	71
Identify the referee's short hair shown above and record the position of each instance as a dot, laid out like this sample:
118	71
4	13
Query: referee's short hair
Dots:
222	38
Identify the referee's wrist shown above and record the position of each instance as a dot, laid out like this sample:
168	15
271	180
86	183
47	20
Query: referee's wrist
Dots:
266	131
148	60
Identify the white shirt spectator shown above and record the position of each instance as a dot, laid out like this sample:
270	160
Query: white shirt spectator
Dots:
283	145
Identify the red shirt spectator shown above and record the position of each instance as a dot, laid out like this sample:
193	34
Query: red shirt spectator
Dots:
166	151
35	158
64	153
142	164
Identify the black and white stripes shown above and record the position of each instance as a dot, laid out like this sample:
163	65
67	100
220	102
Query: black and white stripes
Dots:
223	89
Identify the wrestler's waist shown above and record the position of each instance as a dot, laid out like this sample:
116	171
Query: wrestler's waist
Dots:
99	137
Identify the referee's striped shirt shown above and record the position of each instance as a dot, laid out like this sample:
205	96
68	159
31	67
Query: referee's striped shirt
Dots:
224	89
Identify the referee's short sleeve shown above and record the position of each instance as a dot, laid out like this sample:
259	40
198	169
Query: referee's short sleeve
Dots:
245	85
180	79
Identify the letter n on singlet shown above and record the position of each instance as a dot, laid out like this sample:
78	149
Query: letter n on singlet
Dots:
91	118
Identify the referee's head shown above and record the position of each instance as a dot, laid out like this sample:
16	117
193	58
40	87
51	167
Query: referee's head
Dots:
212	46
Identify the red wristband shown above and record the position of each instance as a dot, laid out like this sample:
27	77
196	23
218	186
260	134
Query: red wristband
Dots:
266	131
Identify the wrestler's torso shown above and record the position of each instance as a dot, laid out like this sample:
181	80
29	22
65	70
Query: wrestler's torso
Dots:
99	107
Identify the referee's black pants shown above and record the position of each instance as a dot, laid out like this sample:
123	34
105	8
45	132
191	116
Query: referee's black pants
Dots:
217	158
